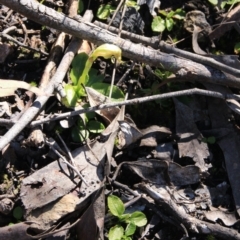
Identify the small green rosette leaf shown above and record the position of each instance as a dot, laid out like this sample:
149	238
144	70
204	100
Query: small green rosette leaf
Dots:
138	218
115	205
130	229
116	233
158	24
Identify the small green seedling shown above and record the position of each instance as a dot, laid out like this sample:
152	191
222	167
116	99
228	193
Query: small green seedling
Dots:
132	221
105	10
85	125
159	24
81	74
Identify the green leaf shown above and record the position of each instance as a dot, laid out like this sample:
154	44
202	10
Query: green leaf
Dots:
170	14
104	11
158	24
104	88
71	96
125	217
237	48
94	77
138	218
211	140
130	229
232	2
80	6
18	212
79	133
126	237
164	13
78	64
95	126
115	205
179	14
115	233
169	23
213	2
131	3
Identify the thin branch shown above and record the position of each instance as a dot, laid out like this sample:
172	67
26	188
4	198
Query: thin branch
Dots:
153	41
74	168
9	38
200	59
136	101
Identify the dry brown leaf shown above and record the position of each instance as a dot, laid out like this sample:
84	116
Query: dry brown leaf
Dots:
8	88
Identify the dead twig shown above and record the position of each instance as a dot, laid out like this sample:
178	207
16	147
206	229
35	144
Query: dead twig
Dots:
136	101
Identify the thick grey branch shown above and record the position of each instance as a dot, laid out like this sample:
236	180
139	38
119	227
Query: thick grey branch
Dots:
183	68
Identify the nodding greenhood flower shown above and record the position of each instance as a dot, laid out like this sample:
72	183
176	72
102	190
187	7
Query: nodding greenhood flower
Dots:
106	51
74	92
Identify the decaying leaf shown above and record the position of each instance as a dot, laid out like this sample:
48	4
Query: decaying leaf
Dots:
149	137
164	151
198	19
190	143
95	98
164	172
129	134
5	108
195	45
15	231
228	218
52	212
92	222
8	88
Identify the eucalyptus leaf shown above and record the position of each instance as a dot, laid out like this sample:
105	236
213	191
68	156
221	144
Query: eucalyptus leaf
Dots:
116	233
115	205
